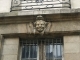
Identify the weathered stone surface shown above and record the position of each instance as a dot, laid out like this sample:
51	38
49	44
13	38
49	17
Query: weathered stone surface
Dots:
9	57
73	26
10	49
15	13
11	41
48	27
28	28
57	11
25	13
50	12
8	28
72	39
16	28
72	48
37	12
73	11
72	44
65	11
46	11
72	56
22	28
78	10
65	26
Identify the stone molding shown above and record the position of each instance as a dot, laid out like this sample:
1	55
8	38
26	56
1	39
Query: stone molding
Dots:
6	19
36	12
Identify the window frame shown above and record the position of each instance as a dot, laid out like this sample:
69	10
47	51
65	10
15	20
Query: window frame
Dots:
40	51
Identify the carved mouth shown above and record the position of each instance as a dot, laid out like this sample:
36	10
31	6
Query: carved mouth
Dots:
40	29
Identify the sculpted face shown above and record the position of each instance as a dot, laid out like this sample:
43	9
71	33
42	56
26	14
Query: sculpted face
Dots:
40	25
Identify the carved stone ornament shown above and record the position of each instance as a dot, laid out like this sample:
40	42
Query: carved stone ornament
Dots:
40	24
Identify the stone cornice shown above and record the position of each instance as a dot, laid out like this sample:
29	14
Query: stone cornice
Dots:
46	35
49	16
37	12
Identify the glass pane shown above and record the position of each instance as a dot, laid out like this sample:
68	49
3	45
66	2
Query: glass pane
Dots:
25	52
33	51
53	51
57	51
29	51
55	55
49	51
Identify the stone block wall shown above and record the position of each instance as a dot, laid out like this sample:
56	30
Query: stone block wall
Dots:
71	47
65	26
10	49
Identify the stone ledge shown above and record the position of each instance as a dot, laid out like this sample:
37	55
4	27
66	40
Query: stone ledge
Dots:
36	12
45	35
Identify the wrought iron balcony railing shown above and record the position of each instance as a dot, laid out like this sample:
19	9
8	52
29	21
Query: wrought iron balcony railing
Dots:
18	5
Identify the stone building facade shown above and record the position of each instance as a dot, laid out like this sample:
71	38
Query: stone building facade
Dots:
44	34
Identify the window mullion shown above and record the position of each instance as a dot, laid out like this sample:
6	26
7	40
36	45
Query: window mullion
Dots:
37	50
33	50
60	48
29	49
48	50
25	49
40	51
21	50
53	48
56	49
44	50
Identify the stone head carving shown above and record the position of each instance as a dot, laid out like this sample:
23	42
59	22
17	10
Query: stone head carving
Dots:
40	24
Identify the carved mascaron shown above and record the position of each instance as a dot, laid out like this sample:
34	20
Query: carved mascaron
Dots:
40	24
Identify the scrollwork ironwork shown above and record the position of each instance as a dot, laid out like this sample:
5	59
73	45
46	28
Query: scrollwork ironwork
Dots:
39	4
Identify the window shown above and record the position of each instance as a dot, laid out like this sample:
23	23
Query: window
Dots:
42	49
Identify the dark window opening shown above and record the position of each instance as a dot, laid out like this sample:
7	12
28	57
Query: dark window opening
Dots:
49	49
